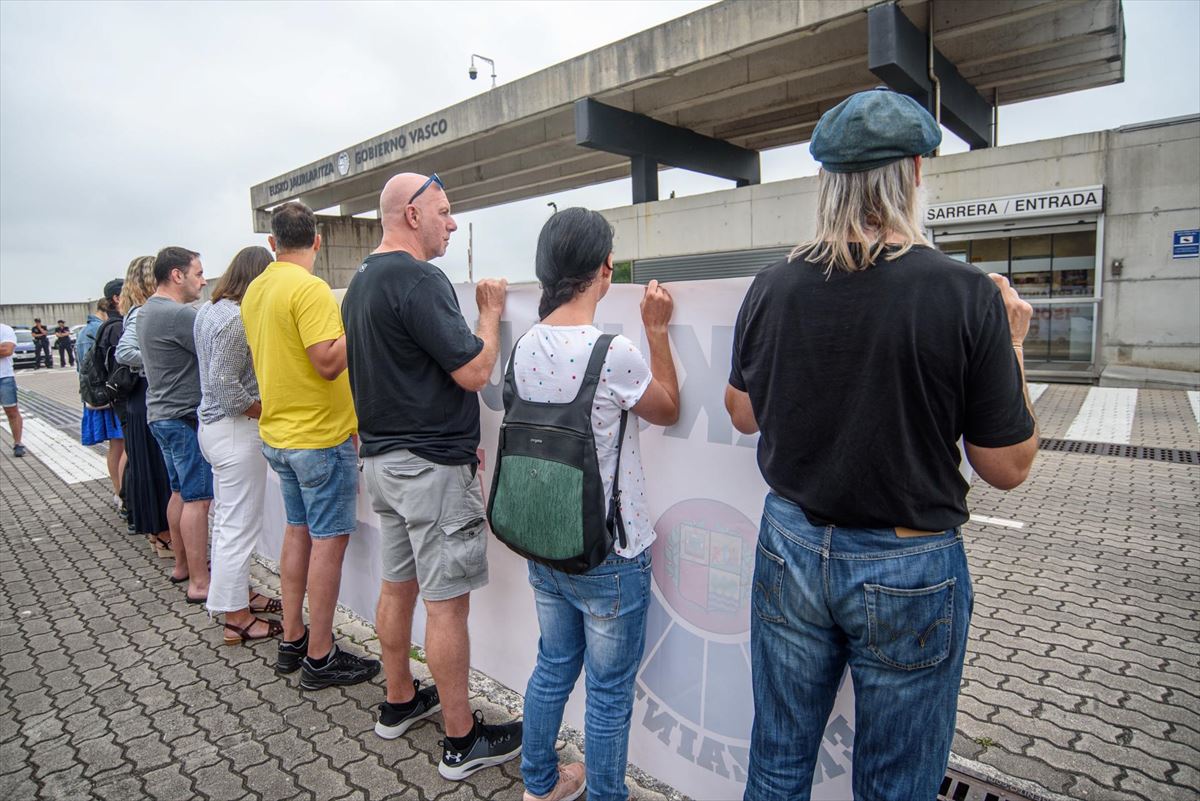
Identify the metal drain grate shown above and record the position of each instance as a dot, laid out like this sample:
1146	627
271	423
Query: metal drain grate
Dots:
1174	455
962	787
61	417
50	410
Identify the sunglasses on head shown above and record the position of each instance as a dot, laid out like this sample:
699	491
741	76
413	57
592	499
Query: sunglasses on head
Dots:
433	179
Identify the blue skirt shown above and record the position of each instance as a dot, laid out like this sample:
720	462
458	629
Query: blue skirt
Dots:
99	425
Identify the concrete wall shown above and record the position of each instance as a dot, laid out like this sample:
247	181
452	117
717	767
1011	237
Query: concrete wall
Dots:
1152	309
346	241
48	313
1150	314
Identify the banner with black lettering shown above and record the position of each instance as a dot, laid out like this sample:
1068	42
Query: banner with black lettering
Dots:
693	707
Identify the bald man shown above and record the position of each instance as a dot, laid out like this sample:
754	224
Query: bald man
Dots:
415	367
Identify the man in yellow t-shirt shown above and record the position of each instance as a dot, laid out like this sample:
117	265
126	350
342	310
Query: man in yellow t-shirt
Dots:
295	334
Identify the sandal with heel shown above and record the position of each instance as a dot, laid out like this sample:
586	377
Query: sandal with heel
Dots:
242	634
161	547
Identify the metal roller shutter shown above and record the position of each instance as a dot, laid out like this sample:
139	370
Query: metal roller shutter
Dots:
701	266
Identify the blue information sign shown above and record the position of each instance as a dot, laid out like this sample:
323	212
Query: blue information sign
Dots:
1186	244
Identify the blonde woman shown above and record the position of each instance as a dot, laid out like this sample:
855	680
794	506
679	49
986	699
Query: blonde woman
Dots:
147	487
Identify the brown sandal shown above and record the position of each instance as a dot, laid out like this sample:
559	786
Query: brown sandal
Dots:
273	606
243	635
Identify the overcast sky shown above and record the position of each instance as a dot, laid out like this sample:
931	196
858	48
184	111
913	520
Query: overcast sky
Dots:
126	127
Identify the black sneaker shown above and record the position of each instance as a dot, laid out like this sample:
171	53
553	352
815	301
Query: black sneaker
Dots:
18	450
494	745
291	655
342	668
392	723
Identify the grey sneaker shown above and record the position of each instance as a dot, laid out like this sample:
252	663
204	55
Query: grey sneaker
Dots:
494	745
291	655
392	723
341	669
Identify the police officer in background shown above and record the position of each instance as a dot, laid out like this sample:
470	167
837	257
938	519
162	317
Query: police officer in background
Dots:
862	359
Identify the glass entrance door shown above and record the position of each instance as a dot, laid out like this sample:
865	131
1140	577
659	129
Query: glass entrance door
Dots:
1055	272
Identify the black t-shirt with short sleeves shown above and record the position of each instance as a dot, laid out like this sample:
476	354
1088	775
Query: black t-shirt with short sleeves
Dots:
863	382
405	334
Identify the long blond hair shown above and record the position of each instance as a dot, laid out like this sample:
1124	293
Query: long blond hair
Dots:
857	212
139	283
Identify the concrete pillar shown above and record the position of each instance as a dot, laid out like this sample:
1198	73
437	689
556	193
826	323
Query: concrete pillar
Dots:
346	241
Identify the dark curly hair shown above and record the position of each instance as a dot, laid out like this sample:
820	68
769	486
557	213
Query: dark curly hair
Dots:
571	248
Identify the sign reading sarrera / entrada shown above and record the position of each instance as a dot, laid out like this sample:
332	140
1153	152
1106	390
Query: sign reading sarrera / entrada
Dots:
364	156
1087	199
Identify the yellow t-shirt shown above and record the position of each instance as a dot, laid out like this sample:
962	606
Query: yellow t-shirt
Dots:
286	310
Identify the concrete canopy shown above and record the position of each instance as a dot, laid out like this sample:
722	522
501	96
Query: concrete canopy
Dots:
756	73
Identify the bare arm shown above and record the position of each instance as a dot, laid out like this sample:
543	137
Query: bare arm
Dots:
7	348
1007	467
489	296
737	403
329	357
659	404
127	351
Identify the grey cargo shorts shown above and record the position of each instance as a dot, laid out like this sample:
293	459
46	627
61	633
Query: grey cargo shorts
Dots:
432	525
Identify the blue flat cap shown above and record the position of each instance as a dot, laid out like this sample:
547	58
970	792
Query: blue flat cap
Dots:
871	129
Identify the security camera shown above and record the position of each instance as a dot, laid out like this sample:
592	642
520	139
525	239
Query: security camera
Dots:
472	72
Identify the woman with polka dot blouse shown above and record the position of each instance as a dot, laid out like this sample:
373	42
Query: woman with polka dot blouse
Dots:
596	620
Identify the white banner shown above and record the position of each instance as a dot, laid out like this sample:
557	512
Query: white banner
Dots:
693	708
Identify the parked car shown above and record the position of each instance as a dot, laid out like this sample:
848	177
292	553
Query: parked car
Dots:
24	354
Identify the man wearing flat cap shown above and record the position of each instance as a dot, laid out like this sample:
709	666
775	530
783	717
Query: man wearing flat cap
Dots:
862	359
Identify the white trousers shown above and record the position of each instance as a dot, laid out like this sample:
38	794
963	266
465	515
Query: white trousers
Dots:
233	448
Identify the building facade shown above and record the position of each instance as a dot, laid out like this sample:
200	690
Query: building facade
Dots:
1095	230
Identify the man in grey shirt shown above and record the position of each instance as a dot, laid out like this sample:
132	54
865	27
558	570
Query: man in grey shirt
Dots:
168	350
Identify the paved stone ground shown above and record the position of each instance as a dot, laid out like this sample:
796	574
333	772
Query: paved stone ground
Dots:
112	687
1083	672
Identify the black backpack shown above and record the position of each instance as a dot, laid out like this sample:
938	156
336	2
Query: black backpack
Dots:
102	380
547	497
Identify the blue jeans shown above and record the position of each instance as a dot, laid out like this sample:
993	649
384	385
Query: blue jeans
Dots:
594	620
190	475
319	487
896	610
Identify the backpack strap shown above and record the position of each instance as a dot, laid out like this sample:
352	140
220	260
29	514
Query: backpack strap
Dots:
596	363
615	518
591	378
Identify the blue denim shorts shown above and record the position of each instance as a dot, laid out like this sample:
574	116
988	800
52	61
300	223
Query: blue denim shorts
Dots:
320	487
8	391
190	474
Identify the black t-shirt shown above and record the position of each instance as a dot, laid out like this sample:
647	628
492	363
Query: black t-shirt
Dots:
405	334
863	382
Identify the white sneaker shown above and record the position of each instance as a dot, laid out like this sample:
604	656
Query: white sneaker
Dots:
572	781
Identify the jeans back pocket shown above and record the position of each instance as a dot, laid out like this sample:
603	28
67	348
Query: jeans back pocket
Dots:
910	629
767	598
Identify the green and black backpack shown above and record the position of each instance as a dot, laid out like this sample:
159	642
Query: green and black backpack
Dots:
547	498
